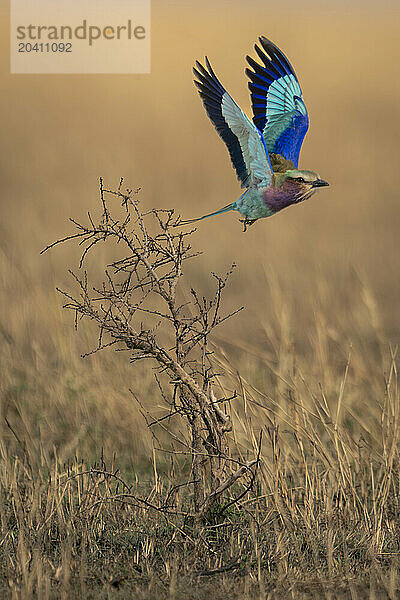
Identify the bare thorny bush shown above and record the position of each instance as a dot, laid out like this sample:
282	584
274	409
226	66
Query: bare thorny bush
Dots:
144	307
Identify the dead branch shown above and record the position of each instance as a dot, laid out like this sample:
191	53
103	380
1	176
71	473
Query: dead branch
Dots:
141	306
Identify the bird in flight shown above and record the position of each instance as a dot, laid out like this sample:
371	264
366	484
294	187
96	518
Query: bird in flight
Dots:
264	151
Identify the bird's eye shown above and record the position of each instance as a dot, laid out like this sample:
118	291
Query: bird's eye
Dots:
300	179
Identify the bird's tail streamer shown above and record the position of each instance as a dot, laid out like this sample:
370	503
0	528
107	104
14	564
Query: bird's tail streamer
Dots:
225	209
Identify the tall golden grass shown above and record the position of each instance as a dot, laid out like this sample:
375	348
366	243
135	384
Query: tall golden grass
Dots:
316	347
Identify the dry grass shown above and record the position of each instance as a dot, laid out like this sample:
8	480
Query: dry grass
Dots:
316	348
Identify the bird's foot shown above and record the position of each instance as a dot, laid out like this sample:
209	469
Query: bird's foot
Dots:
247	223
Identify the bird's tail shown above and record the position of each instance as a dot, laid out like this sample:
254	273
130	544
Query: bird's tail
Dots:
225	209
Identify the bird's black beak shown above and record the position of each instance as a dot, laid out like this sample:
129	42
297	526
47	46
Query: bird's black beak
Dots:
320	183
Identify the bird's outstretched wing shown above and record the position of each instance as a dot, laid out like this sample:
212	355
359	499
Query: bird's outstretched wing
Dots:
277	100
245	142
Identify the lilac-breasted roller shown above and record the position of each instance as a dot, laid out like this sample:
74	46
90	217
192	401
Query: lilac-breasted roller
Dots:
265	151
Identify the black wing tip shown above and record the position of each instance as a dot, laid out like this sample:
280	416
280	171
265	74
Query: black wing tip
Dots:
208	64
266	42
201	73
273	54
199	66
252	62
204	69
209	82
263	38
268	57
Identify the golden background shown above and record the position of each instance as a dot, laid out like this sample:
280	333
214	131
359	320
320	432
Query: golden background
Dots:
319	281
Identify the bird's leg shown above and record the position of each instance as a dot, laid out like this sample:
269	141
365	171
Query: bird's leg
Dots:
247	223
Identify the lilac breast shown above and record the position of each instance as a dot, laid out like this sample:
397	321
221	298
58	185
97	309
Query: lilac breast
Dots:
277	198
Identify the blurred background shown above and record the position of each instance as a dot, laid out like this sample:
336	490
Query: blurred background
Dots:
319	281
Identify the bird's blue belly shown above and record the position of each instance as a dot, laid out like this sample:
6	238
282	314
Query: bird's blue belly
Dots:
252	206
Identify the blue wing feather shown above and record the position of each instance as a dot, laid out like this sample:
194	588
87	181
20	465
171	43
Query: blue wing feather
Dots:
285	137
277	101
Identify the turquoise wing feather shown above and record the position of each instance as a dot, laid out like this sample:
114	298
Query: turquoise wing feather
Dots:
243	139
277	101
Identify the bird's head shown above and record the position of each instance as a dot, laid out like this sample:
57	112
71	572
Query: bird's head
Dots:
309	179
298	185
305	179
